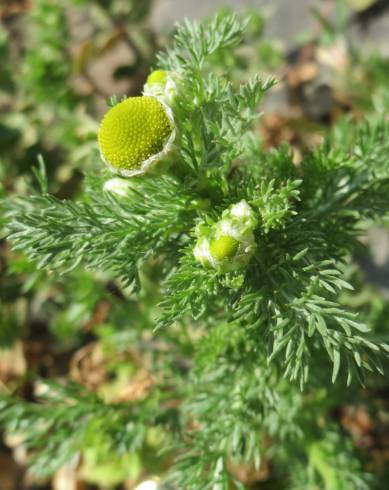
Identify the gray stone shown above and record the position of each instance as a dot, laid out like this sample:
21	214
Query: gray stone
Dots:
287	18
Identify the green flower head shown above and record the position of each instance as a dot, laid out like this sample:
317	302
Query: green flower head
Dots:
228	244
135	134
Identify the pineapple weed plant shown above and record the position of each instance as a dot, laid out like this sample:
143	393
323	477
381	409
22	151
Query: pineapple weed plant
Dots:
243	263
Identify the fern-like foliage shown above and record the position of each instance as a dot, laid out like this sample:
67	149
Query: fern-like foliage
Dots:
254	330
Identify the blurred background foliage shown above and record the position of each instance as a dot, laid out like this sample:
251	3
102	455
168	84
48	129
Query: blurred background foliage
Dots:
61	62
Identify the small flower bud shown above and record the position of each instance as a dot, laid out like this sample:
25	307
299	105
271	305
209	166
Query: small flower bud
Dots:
157	77
224	247
117	186
161	84
135	134
228	244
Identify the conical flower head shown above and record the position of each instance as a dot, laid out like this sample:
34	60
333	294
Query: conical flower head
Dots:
135	134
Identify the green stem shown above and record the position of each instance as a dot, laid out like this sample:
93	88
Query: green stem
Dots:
319	460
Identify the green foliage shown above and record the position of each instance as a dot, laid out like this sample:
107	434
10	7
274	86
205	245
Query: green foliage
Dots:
103	232
275	207
333	465
49	85
195	43
252	354
47	60
73	426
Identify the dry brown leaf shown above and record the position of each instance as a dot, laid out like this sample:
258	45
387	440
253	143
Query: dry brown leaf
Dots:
277	129
138	388
10	473
12	363
66	478
248	475
302	73
99	316
356	420
334	56
16	443
90	367
9	8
